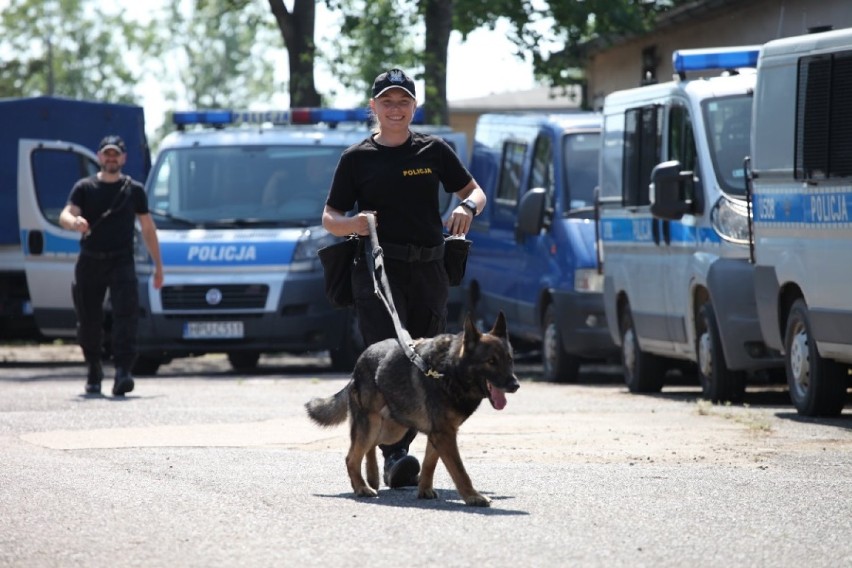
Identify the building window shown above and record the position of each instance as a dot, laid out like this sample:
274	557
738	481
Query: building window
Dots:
649	65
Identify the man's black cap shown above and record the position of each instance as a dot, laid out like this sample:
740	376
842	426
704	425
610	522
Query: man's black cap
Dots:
393	79
112	143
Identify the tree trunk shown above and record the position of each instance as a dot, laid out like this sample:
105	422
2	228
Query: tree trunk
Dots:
439	24
297	29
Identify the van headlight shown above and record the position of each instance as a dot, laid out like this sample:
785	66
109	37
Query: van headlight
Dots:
140	253
730	219
305	256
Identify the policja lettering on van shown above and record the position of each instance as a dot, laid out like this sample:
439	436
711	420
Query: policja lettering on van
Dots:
829	208
216	253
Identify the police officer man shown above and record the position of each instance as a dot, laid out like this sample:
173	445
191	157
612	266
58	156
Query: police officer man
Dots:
103	209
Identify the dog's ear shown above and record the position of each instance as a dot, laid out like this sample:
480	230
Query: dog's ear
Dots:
499	329
471	334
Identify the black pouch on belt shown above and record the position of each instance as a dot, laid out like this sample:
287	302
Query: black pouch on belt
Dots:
337	261
455	258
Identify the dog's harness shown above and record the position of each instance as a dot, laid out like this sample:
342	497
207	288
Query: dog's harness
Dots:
381	287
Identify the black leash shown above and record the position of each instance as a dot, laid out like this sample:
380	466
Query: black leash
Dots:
382	289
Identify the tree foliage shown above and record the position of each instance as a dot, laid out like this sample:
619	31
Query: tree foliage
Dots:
550	33
555	33
220	56
68	48
374	36
296	28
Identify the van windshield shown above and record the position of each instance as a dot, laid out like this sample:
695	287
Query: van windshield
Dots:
580	163
728	123
242	184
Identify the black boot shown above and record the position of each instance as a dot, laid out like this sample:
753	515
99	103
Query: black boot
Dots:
123	382
401	470
94	378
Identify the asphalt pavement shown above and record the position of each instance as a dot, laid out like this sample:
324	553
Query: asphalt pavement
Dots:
202	466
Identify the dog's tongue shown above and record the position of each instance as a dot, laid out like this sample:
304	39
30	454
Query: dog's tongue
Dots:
497	397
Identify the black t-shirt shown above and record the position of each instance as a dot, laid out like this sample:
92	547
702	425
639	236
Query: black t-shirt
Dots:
399	183
114	233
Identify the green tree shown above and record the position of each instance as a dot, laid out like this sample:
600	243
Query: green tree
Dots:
370	42
69	48
555	33
296	28
380	34
551	33
297	31
219	55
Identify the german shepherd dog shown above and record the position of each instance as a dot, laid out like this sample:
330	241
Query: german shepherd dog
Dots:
388	395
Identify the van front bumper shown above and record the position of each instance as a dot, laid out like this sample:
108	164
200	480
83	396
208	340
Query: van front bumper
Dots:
582	324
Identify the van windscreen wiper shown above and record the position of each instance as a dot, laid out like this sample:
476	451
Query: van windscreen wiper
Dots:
178	219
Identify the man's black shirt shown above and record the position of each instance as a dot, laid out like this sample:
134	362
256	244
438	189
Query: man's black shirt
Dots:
114	233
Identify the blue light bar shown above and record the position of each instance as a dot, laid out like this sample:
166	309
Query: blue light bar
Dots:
290	116
684	60
202	117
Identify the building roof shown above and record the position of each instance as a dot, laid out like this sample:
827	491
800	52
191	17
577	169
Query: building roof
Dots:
543	98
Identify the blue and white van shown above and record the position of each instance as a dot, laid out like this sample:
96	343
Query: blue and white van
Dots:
801	178
678	285
534	251
238	198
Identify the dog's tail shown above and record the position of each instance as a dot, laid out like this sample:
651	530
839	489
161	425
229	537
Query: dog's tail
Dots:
331	410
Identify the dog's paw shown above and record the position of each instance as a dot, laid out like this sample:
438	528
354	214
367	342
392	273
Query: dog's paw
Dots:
426	493
477	500
366	492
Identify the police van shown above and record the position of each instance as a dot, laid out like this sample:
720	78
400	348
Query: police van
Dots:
678	286
801	178
533	254
238	198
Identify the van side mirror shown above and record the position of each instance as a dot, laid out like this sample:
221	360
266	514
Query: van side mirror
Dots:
531	213
668	184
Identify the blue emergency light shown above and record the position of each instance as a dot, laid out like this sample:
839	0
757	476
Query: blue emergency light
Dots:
684	60
331	116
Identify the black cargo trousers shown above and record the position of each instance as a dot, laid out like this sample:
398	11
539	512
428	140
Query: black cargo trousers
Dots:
420	289
94	274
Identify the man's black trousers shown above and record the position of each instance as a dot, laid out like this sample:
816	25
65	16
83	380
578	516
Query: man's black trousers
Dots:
92	278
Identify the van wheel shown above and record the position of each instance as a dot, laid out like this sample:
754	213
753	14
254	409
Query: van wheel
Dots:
718	383
146	365
343	357
557	365
244	360
643	372
817	385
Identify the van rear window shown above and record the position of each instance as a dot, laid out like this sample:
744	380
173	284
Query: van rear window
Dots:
824	117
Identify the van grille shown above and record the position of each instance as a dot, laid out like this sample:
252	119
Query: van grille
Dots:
232	297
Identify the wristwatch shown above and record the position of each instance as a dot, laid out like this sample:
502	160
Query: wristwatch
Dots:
469	204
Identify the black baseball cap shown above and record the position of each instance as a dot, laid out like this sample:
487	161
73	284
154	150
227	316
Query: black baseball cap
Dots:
393	79
112	143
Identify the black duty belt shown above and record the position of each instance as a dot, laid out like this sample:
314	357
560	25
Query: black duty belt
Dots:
412	253
106	255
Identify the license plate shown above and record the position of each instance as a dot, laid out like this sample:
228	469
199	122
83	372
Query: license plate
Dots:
213	330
